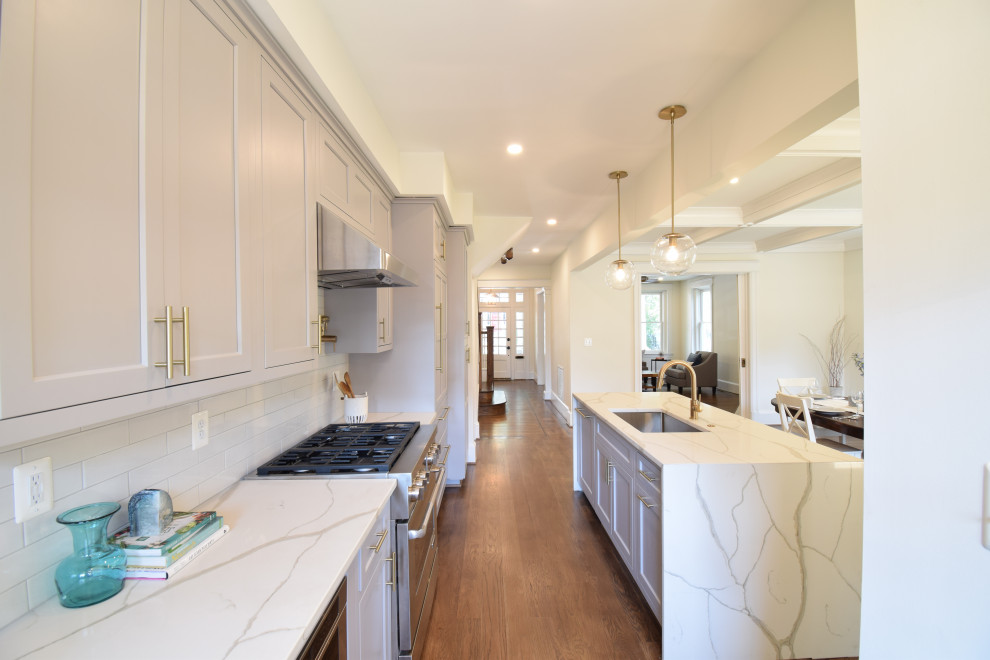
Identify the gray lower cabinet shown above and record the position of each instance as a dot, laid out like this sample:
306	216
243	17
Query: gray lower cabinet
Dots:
648	533
624	488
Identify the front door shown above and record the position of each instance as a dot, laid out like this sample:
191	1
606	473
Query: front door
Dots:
497	318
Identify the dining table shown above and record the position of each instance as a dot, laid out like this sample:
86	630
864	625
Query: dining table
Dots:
828	415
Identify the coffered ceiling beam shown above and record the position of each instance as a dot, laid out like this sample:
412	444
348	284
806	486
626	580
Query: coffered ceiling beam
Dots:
796	236
830	179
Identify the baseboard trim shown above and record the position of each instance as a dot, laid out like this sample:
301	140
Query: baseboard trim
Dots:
728	386
563	409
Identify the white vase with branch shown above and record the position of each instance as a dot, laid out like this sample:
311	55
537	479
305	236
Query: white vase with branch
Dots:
833	358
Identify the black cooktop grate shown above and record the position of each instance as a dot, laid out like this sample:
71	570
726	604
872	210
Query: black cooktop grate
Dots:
343	449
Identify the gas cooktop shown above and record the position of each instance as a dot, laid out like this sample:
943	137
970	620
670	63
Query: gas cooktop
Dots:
343	449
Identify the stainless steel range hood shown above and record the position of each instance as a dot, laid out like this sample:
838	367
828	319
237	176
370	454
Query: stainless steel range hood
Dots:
347	259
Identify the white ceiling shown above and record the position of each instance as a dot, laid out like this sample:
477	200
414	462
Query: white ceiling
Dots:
578	84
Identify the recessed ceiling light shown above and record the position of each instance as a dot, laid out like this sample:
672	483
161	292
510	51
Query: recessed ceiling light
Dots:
514	149
536	249
552	221
734	180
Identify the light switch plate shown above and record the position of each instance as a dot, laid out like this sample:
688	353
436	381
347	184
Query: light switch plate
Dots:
200	429
33	489
587	341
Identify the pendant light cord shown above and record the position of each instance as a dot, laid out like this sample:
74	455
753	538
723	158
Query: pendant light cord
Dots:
618	196
672	230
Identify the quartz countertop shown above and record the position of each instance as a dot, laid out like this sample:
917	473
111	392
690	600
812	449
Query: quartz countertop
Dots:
255	593
725	437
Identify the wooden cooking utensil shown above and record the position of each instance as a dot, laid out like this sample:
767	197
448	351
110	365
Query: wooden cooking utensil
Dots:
344	389
347	379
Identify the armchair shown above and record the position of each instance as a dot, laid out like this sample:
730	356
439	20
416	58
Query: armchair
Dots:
705	365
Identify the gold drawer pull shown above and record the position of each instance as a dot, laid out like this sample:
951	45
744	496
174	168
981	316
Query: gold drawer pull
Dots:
581	412
170	362
649	477
645	503
382	323
445	411
381	539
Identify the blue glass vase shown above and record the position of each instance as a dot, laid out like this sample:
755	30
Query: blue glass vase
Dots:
95	569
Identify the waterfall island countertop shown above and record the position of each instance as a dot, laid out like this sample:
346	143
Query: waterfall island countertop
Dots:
759	550
255	593
725	437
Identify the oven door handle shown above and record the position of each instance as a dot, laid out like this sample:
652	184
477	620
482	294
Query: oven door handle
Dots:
421	532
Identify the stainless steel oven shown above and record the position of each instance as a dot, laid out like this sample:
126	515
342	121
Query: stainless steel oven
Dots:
408	453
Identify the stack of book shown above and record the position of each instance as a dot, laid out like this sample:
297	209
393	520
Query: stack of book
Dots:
161	556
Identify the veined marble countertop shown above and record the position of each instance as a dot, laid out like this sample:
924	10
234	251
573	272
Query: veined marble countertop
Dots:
726	437
255	593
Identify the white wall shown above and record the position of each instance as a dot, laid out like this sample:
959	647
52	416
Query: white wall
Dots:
797	293
926	163
560	333
725	330
605	316
853	305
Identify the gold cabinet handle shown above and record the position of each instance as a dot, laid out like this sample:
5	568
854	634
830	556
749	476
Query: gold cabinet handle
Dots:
443	249
381	539
321	323
445	411
394	581
382	323
581	412
446	453
645	503
170	362
167	320
649	477
608	472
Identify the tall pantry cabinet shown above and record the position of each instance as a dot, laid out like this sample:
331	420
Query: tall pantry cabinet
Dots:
415	375
124	186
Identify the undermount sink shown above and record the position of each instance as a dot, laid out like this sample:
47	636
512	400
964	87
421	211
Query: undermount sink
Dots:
655	421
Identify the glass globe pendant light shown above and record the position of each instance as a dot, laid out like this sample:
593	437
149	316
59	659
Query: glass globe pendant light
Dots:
620	273
673	253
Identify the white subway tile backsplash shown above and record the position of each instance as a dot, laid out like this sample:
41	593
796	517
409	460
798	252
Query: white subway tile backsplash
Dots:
162	421
68	480
33	559
161	469
41	587
74	448
110	490
112	461
110	464
8	461
13	603
11	537
6	506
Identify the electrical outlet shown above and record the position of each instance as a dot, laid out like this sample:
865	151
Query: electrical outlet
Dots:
587	341
33	489
200	429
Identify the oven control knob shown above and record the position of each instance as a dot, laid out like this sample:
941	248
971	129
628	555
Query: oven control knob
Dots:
414	492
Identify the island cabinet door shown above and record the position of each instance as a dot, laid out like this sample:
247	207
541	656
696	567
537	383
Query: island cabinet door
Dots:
585	432
647	531
622	514
603	487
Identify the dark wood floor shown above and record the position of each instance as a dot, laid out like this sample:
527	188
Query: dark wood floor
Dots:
526	570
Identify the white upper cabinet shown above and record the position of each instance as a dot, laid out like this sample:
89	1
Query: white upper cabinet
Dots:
347	187
288	224
208	125
122	191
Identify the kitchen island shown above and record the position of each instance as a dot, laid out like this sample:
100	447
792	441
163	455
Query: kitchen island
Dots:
258	592
749	538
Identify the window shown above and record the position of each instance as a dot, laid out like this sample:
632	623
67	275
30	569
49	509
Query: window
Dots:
654	317
490	297
520	331
497	321
701	311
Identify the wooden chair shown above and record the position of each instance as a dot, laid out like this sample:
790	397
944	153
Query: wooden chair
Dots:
798	386
795	417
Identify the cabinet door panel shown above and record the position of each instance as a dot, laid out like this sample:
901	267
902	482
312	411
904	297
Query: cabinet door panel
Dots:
207	169
335	171
289	246
587	466
648	570
361	203
622	513
71	240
